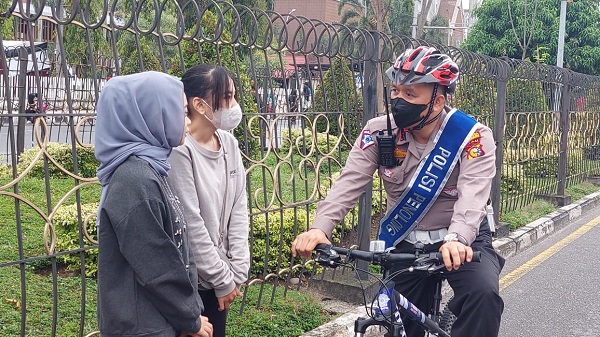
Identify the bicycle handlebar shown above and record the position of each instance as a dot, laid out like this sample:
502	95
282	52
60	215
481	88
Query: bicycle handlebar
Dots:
329	255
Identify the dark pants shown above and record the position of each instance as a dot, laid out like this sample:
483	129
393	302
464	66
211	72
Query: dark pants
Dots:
476	303
211	310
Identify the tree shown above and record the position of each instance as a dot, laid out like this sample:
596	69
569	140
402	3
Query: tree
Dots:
354	14
337	95
436	35
75	41
493	34
400	16
527	27
365	14
422	18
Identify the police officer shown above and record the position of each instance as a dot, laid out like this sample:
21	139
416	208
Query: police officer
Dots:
455	224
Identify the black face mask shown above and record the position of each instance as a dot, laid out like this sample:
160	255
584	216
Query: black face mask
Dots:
406	113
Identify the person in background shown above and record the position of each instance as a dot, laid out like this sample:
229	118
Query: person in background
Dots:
147	283
307	93
33	107
208	173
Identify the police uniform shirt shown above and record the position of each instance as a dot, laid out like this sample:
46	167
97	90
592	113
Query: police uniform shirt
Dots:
460	206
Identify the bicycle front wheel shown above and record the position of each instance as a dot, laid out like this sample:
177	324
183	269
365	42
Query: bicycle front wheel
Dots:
447	318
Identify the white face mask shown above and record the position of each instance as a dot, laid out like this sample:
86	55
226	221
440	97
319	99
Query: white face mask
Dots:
226	118
230	118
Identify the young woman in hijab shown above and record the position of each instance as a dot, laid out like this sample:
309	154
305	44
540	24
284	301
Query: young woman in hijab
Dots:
146	282
209	175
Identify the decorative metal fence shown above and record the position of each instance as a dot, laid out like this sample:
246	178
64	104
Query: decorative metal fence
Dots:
306	88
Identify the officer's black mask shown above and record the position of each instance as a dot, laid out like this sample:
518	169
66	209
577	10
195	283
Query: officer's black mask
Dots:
406	113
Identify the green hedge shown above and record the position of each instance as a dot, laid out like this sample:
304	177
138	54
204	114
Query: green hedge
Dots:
282	233
592	152
66	224
63	155
302	141
546	167
5	172
278	235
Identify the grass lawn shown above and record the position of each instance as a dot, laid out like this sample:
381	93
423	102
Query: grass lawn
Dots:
289	181
38	276
540	208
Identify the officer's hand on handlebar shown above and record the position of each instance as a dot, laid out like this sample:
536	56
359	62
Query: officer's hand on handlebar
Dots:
455	254
305	243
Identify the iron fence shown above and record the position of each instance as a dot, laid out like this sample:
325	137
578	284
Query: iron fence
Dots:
306	88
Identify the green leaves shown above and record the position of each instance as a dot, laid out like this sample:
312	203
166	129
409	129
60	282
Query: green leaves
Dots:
493	33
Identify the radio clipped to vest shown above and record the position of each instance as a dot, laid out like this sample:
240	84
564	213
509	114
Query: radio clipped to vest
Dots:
386	142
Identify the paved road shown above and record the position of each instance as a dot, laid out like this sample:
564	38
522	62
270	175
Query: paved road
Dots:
56	133
555	289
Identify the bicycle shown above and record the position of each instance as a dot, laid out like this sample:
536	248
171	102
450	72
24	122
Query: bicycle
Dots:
386	307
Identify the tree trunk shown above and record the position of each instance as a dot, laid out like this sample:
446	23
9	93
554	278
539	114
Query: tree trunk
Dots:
422	19
381	8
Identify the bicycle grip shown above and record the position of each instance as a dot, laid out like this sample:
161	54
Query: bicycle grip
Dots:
476	256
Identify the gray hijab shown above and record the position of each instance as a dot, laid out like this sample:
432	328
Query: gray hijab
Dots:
138	115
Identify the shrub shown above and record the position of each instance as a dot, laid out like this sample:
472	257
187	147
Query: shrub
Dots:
292	226
302	141
66	225
5	172
544	167
525	96
62	154
512	178
592	152
279	235
475	95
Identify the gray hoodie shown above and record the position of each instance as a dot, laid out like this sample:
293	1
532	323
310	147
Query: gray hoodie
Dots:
146	283
212	187
144	288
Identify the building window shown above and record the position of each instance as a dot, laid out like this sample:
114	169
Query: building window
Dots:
48	29
22	29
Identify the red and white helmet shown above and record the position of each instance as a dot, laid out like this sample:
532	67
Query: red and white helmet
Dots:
424	65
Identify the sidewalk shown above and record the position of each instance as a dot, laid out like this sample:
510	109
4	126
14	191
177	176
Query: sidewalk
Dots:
516	242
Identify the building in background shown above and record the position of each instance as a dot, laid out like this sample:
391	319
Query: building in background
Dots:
43	30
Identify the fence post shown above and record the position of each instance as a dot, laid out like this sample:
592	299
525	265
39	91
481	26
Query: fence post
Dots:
370	97
22	95
565	104
499	120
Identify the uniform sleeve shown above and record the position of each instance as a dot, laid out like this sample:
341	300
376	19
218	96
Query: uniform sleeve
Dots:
477	170
356	174
238	228
211	268
158	264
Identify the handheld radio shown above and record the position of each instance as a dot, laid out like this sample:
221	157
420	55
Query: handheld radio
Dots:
386	142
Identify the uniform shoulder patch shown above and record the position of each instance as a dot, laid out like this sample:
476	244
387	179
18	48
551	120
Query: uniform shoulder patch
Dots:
474	148
366	139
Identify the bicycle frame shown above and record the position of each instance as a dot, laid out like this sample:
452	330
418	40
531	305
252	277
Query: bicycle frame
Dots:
389	316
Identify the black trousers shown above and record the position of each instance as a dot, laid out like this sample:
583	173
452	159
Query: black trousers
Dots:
476	303
217	318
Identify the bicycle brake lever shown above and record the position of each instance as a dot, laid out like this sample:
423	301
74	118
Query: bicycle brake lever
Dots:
428	263
327	257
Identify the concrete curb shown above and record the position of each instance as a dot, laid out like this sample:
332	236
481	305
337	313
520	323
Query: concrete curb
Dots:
514	243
